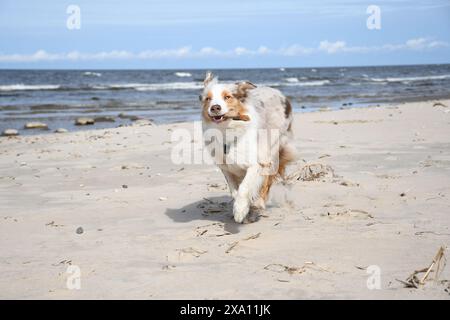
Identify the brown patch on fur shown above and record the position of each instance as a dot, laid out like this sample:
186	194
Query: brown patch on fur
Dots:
287	108
206	106
265	187
236	179
236	109
242	88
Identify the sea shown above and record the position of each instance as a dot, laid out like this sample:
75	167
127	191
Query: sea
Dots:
58	97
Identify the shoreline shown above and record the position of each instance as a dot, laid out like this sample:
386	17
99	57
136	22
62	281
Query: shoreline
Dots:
111	202
130	119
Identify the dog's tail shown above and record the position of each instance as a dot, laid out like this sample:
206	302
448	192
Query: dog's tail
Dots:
288	154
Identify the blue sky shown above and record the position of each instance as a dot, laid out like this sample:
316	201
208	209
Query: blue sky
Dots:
221	34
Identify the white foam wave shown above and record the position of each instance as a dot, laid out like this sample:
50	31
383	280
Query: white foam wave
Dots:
24	87
309	83
171	86
152	86
92	74
403	79
292	80
183	74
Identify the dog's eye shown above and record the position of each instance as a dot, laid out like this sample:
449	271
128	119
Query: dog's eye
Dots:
207	99
227	97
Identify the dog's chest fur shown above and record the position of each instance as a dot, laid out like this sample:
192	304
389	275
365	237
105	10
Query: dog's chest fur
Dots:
237	145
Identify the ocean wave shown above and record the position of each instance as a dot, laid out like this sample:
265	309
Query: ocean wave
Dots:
308	83
92	74
171	86
292	80
183	74
403	79
119	86
25	87
151	86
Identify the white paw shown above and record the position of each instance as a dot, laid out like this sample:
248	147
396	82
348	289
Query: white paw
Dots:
240	209
234	193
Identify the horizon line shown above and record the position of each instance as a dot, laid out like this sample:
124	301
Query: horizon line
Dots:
225	68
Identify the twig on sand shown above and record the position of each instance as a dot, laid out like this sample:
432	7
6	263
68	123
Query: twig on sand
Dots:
419	233
279	268
436	262
414	282
234	244
253	236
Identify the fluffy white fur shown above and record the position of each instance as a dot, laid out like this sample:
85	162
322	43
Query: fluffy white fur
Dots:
238	146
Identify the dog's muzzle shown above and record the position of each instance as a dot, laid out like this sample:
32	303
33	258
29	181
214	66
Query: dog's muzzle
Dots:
215	113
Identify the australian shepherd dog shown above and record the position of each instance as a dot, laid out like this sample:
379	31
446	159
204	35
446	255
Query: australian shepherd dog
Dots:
247	131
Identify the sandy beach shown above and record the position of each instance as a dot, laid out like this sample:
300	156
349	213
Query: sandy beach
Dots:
111	203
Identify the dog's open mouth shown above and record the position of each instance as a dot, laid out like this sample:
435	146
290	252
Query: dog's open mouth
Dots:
218	119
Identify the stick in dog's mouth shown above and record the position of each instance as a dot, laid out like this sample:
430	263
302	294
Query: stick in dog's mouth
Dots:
239	117
223	117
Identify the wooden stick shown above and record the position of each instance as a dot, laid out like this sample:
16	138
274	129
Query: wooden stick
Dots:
436	259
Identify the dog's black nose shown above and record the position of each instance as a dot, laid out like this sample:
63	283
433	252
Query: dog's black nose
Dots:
215	108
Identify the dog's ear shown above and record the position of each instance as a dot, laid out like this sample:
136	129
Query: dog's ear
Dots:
242	88
208	78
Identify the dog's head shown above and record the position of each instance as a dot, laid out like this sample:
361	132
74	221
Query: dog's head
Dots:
224	102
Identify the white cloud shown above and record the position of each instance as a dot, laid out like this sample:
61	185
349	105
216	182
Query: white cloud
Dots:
325	46
295	50
332	47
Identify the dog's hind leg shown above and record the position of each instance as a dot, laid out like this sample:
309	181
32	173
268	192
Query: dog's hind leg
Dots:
286	155
264	192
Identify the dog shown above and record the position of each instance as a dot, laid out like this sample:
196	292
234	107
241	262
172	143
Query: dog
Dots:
247	130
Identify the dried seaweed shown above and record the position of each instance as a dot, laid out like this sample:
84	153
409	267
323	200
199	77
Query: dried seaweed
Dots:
312	172
436	266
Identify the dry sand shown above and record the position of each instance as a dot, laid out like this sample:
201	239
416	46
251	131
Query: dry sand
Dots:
152	229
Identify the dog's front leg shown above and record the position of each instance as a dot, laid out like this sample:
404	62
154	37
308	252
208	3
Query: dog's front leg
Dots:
248	190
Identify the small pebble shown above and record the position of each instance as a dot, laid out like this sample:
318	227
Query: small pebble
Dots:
84	121
10	133
35	125
79	230
124	186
